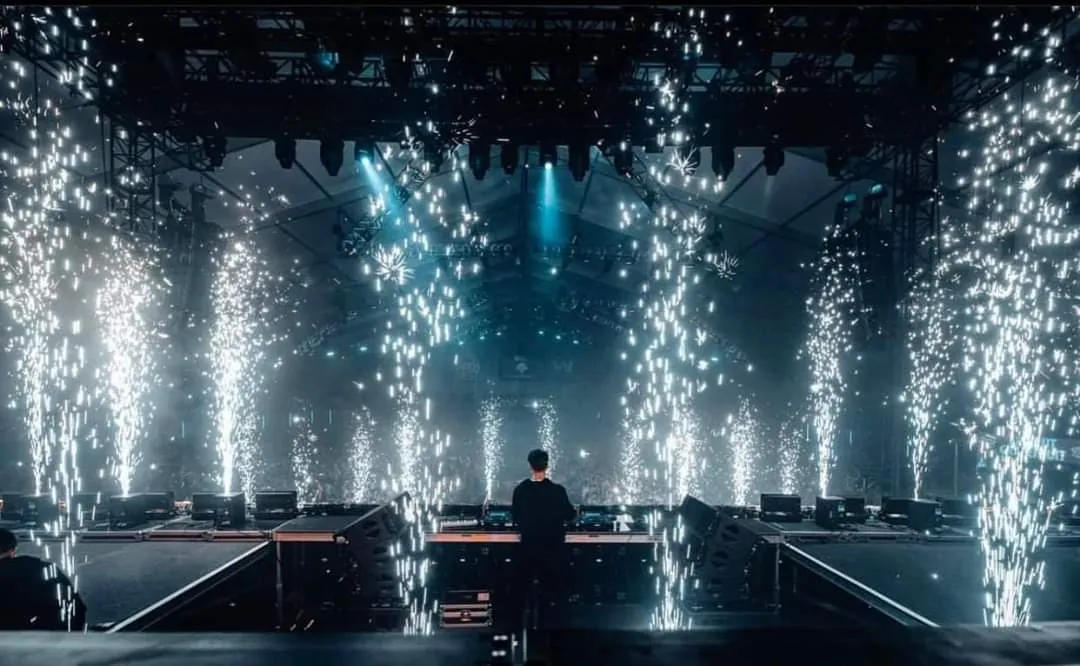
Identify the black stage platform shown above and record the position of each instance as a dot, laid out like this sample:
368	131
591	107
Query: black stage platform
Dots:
120	578
943	581
916	579
1042	646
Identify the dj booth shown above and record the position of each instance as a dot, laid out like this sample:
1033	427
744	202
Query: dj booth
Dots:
607	561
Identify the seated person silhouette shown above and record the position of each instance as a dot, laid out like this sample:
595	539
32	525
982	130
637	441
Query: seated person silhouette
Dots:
38	596
540	510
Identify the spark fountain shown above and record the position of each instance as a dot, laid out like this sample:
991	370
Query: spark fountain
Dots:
663	377
427	309
831	310
491	422
304	456
127	306
361	457
238	350
1015	260
548	430
743	435
47	209
930	337
792	436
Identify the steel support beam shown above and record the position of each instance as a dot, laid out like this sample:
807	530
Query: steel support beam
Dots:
132	177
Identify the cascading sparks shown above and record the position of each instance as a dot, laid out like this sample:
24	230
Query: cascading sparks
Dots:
491	424
304	456
831	311
630	486
361	457
238	341
127	306
743	435
427	309
44	259
1015	260
687	455
930	368
792	436
548	430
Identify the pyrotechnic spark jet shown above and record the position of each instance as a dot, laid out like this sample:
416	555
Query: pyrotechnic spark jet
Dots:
687	455
664	378
831	310
548	430
304	454
126	306
631	462
427	314
930	368
1016	257
362	457
743	434
792	436
42	269
238	341
491	422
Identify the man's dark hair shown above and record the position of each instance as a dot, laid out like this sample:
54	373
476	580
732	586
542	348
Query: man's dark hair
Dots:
538	460
8	541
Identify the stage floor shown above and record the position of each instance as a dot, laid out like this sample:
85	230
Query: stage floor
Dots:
120	578
943	581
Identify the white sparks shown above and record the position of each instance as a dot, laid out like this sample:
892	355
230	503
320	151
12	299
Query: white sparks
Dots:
930	368
361	458
831	311
743	435
548	430
491	422
304	456
792	437
126	308
239	337
1015	262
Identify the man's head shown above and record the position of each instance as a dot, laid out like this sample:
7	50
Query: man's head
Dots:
8	543
538	461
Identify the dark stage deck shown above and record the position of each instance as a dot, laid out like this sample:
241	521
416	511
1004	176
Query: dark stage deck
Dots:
947	647
120	578
943	581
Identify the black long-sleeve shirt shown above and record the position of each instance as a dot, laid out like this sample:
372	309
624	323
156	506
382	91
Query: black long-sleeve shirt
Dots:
38	596
541	510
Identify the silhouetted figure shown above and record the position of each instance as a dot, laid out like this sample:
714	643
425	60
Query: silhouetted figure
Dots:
37	595
541	510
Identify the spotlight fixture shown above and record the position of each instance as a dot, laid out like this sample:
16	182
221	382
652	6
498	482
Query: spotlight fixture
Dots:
285	152
479	158
332	155
364	151
623	159
509	156
773	159
723	161
549	156
578	159
873	200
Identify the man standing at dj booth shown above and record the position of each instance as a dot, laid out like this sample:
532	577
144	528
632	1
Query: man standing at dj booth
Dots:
540	511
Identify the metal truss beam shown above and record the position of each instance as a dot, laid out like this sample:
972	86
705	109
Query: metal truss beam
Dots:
132	177
969	91
897	31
